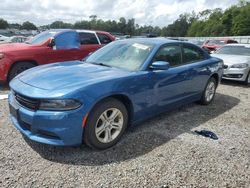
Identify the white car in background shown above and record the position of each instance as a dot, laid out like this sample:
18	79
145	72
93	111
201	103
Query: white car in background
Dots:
14	39
236	59
3	38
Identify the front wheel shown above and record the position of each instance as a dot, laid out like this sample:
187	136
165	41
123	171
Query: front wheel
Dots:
209	92
247	81
106	124
18	68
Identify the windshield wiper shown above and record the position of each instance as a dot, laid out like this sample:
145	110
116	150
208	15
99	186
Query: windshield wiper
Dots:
102	64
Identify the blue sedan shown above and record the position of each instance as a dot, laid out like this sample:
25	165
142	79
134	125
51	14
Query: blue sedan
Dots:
121	84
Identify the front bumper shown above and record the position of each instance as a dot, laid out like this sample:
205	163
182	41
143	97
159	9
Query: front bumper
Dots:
235	73
5	65
48	127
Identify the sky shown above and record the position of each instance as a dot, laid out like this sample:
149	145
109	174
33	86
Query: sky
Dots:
146	12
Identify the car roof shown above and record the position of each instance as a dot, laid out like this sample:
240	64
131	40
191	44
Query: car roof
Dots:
238	44
85	31
154	41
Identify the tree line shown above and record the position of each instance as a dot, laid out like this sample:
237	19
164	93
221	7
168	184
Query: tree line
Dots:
233	21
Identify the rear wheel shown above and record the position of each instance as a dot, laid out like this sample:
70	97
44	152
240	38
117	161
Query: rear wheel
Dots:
209	92
106	124
18	68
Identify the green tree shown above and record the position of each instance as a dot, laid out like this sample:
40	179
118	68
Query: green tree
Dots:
3	24
241	22
122	25
28	26
179	28
82	25
60	25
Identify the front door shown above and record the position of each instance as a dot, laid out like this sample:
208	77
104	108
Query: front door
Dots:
170	86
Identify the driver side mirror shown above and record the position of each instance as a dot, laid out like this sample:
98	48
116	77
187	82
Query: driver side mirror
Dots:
52	43
160	65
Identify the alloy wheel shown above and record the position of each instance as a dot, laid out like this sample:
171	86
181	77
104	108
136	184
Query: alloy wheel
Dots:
109	125
210	91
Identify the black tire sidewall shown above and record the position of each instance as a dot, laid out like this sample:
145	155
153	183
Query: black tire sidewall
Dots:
17	66
89	135
246	81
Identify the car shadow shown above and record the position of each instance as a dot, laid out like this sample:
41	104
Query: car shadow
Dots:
140	139
4	88
234	83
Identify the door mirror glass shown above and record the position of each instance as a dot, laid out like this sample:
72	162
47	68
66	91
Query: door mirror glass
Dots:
160	65
51	43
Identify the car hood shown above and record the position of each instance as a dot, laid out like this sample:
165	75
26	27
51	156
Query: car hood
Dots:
68	75
232	59
8	47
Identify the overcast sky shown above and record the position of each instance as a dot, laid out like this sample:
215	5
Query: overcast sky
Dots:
146	12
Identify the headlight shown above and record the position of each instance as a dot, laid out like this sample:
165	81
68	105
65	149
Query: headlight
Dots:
240	66
1	55
59	105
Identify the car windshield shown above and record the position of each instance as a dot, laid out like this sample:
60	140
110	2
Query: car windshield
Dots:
219	42
124	55
234	50
41	38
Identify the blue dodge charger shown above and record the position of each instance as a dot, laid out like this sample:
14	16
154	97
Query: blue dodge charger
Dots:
121	84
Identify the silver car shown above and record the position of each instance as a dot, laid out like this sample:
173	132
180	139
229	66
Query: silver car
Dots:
236	59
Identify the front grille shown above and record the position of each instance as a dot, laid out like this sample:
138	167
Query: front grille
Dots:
232	75
27	102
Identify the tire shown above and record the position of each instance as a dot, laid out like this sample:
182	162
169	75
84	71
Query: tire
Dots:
102	130
18	68
247	81
209	92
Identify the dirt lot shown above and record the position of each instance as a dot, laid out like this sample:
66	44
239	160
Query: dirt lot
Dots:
162	152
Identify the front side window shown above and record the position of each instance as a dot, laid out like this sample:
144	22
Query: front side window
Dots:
170	54
124	55
88	38
192	54
104	39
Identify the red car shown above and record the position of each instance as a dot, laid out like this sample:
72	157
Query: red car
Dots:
49	47
215	44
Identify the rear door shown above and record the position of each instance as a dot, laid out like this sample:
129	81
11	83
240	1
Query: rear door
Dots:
89	43
104	39
196	62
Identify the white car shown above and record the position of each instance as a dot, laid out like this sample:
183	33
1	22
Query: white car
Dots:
236	59
3	38
14	39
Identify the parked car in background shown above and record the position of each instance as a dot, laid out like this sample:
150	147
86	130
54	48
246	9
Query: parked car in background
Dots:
236	59
215	44
123	83
14	39
197	42
49	47
3	38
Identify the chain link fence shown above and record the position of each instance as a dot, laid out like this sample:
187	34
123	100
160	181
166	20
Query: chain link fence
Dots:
239	39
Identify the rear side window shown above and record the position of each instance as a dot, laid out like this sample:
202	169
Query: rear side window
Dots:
88	38
231	42
192	54
104	39
170	54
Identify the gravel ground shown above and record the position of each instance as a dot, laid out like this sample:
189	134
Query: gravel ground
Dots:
161	152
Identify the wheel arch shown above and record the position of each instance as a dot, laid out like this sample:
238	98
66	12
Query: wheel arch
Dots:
124	99
16	62
216	77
